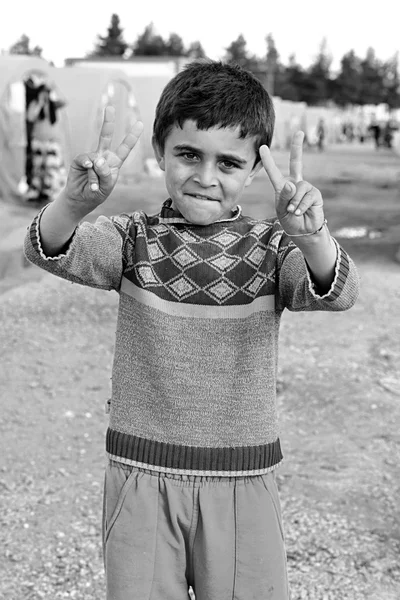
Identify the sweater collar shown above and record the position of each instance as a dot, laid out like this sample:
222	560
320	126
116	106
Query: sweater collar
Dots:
168	212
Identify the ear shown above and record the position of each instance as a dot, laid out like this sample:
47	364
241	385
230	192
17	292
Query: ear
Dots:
252	173
159	154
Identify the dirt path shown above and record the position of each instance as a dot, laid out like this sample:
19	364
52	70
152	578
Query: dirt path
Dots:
339	400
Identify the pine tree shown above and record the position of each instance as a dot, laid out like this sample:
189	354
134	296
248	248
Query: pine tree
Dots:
22	46
372	79
347	84
113	43
149	43
175	46
271	64
317	84
236	53
196	50
392	82
291	81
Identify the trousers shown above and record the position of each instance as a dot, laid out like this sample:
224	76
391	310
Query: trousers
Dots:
165	533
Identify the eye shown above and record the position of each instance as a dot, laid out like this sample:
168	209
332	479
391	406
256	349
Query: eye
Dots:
228	165
190	156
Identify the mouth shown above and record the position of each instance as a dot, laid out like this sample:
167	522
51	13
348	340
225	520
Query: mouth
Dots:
203	197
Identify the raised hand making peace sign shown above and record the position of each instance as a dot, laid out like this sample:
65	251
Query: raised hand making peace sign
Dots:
298	204
93	175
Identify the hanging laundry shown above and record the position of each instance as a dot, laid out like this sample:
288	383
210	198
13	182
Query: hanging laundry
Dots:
45	170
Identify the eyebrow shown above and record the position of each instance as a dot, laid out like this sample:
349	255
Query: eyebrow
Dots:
229	157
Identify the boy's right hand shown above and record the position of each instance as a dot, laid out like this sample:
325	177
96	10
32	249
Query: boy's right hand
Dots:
92	176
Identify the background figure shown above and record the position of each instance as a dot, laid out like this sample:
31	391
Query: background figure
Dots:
48	172
388	130
375	129
321	134
44	166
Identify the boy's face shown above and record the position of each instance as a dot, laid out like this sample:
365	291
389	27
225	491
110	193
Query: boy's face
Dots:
206	171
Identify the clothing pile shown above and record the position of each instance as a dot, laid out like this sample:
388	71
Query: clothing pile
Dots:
45	170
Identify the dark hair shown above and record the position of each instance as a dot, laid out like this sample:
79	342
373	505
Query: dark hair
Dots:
215	94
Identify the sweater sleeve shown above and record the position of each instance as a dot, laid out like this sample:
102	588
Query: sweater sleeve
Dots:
94	256
296	289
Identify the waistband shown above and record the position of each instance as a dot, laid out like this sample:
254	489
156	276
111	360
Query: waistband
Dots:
192	460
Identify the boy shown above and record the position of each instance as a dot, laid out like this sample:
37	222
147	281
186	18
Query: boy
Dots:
190	494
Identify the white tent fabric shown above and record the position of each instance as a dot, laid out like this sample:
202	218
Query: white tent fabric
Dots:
14	70
88	92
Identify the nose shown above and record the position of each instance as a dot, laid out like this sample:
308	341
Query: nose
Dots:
205	175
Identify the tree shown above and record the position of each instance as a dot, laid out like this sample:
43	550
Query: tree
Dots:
272	63
174	45
372	79
346	88
236	53
113	43
196	50
291	81
317	84
149	43
22	46
392	82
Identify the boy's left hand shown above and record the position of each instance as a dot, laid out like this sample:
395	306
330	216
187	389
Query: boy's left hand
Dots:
298	204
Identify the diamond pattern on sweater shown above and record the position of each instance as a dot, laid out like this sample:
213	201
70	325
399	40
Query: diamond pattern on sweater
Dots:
221	290
260	229
161	229
146	275
256	255
184	263
187	236
156	251
182	287
184	258
253	286
223	263
225	239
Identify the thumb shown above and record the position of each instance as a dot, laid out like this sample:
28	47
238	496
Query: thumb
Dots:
288	191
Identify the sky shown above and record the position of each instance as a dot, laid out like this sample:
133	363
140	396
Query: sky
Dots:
69	28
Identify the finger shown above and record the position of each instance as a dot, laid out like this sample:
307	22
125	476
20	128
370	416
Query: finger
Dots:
306	196
103	172
288	191
86	161
309	199
274	174
296	156
302	188
312	198
83	161
130	141
107	130
93	180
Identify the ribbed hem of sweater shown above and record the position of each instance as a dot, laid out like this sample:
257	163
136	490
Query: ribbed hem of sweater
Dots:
192	460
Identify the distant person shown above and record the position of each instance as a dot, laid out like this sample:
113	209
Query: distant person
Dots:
190	492
361	132
350	132
375	130
387	134
321	135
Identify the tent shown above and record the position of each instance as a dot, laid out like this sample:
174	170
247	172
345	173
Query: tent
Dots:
88	92
14	70
290	117
148	75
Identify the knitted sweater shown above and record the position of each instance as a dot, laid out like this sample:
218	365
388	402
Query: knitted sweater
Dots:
194	370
